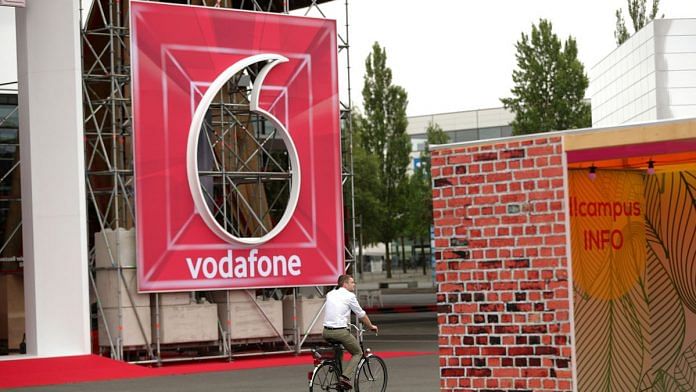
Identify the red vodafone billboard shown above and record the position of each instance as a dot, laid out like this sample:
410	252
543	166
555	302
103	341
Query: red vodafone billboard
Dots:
181	57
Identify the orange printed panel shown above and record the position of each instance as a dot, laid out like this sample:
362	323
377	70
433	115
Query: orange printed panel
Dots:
607	232
635	318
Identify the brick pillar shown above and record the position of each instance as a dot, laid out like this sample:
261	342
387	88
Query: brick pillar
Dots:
502	268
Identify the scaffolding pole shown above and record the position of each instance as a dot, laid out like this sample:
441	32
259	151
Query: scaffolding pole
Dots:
109	168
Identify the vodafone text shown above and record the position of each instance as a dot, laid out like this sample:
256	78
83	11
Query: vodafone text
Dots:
244	267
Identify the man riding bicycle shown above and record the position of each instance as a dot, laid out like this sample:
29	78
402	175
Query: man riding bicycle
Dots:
339	303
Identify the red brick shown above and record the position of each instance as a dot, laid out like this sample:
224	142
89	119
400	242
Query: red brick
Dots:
553	305
498	177
485	156
478	372
519	351
437	161
512	219
513	198
535	372
465	308
555	239
532	285
537	151
541	162
452	372
512	154
556	171
457	159
529	241
526	174
505	285
451	287
481	286
542	218
506	329
467	351
541	195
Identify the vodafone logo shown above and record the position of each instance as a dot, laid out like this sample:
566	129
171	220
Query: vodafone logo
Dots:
211	151
192	151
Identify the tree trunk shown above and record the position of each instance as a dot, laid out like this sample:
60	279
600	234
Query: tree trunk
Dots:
403	256
387	260
423	257
360	255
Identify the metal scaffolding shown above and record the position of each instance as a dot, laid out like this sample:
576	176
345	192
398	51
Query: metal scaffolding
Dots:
257	189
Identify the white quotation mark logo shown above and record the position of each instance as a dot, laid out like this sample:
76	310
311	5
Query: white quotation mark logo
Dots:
202	207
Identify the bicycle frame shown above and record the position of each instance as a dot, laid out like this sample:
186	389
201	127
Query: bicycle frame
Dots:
338	361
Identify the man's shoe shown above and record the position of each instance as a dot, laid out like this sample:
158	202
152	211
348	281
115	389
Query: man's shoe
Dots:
345	383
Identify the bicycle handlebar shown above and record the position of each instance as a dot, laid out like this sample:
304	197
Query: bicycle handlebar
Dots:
360	330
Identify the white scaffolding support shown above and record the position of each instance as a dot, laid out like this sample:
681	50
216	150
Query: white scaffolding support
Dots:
109	168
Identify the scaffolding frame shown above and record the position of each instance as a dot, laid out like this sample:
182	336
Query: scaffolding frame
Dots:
10	180
109	165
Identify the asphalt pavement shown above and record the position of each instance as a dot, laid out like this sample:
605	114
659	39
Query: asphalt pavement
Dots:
398	332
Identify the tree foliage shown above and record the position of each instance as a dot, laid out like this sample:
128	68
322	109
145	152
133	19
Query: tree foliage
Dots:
637	11
549	84
382	140
419	200
366	180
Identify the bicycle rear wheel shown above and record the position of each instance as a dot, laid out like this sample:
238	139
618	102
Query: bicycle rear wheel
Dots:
371	375
325	379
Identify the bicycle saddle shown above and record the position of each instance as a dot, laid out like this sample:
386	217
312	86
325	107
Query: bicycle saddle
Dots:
335	343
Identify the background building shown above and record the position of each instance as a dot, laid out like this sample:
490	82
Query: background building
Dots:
652	76
461	126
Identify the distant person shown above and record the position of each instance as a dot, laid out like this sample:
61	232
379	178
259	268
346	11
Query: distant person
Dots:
339	303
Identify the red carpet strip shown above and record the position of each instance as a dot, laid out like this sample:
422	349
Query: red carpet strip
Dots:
85	368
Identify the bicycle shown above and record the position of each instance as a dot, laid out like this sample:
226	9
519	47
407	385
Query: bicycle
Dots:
370	375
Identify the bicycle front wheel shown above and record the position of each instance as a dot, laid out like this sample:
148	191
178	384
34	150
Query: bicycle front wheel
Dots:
371	375
326	378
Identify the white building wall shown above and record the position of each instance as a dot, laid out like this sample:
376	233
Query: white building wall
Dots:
464	120
675	45
54	217
459	126
652	76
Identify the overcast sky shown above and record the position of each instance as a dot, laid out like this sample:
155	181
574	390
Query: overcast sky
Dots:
451	55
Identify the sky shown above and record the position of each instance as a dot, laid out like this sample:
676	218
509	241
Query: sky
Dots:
449	55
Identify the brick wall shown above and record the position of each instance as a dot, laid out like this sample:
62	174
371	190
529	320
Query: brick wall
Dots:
502	269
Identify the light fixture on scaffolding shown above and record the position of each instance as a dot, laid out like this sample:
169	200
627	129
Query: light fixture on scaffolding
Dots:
651	167
593	172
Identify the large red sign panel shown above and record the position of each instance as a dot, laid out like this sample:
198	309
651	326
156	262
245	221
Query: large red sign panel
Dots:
178	54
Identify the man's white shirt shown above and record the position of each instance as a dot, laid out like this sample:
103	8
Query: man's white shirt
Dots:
339	303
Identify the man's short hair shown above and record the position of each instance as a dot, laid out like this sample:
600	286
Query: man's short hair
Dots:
343	279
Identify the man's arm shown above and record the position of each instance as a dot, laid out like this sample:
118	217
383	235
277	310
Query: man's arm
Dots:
366	320
362	316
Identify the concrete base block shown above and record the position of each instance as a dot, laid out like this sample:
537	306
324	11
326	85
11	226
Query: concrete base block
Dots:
119	244
132	335
307	308
166	299
246	318
188	323
108	282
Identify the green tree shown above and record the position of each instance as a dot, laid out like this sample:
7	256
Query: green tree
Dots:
637	11
366	181
549	84
434	135
419	200
383	134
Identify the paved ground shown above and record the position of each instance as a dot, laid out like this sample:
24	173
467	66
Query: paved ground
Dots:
399	332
